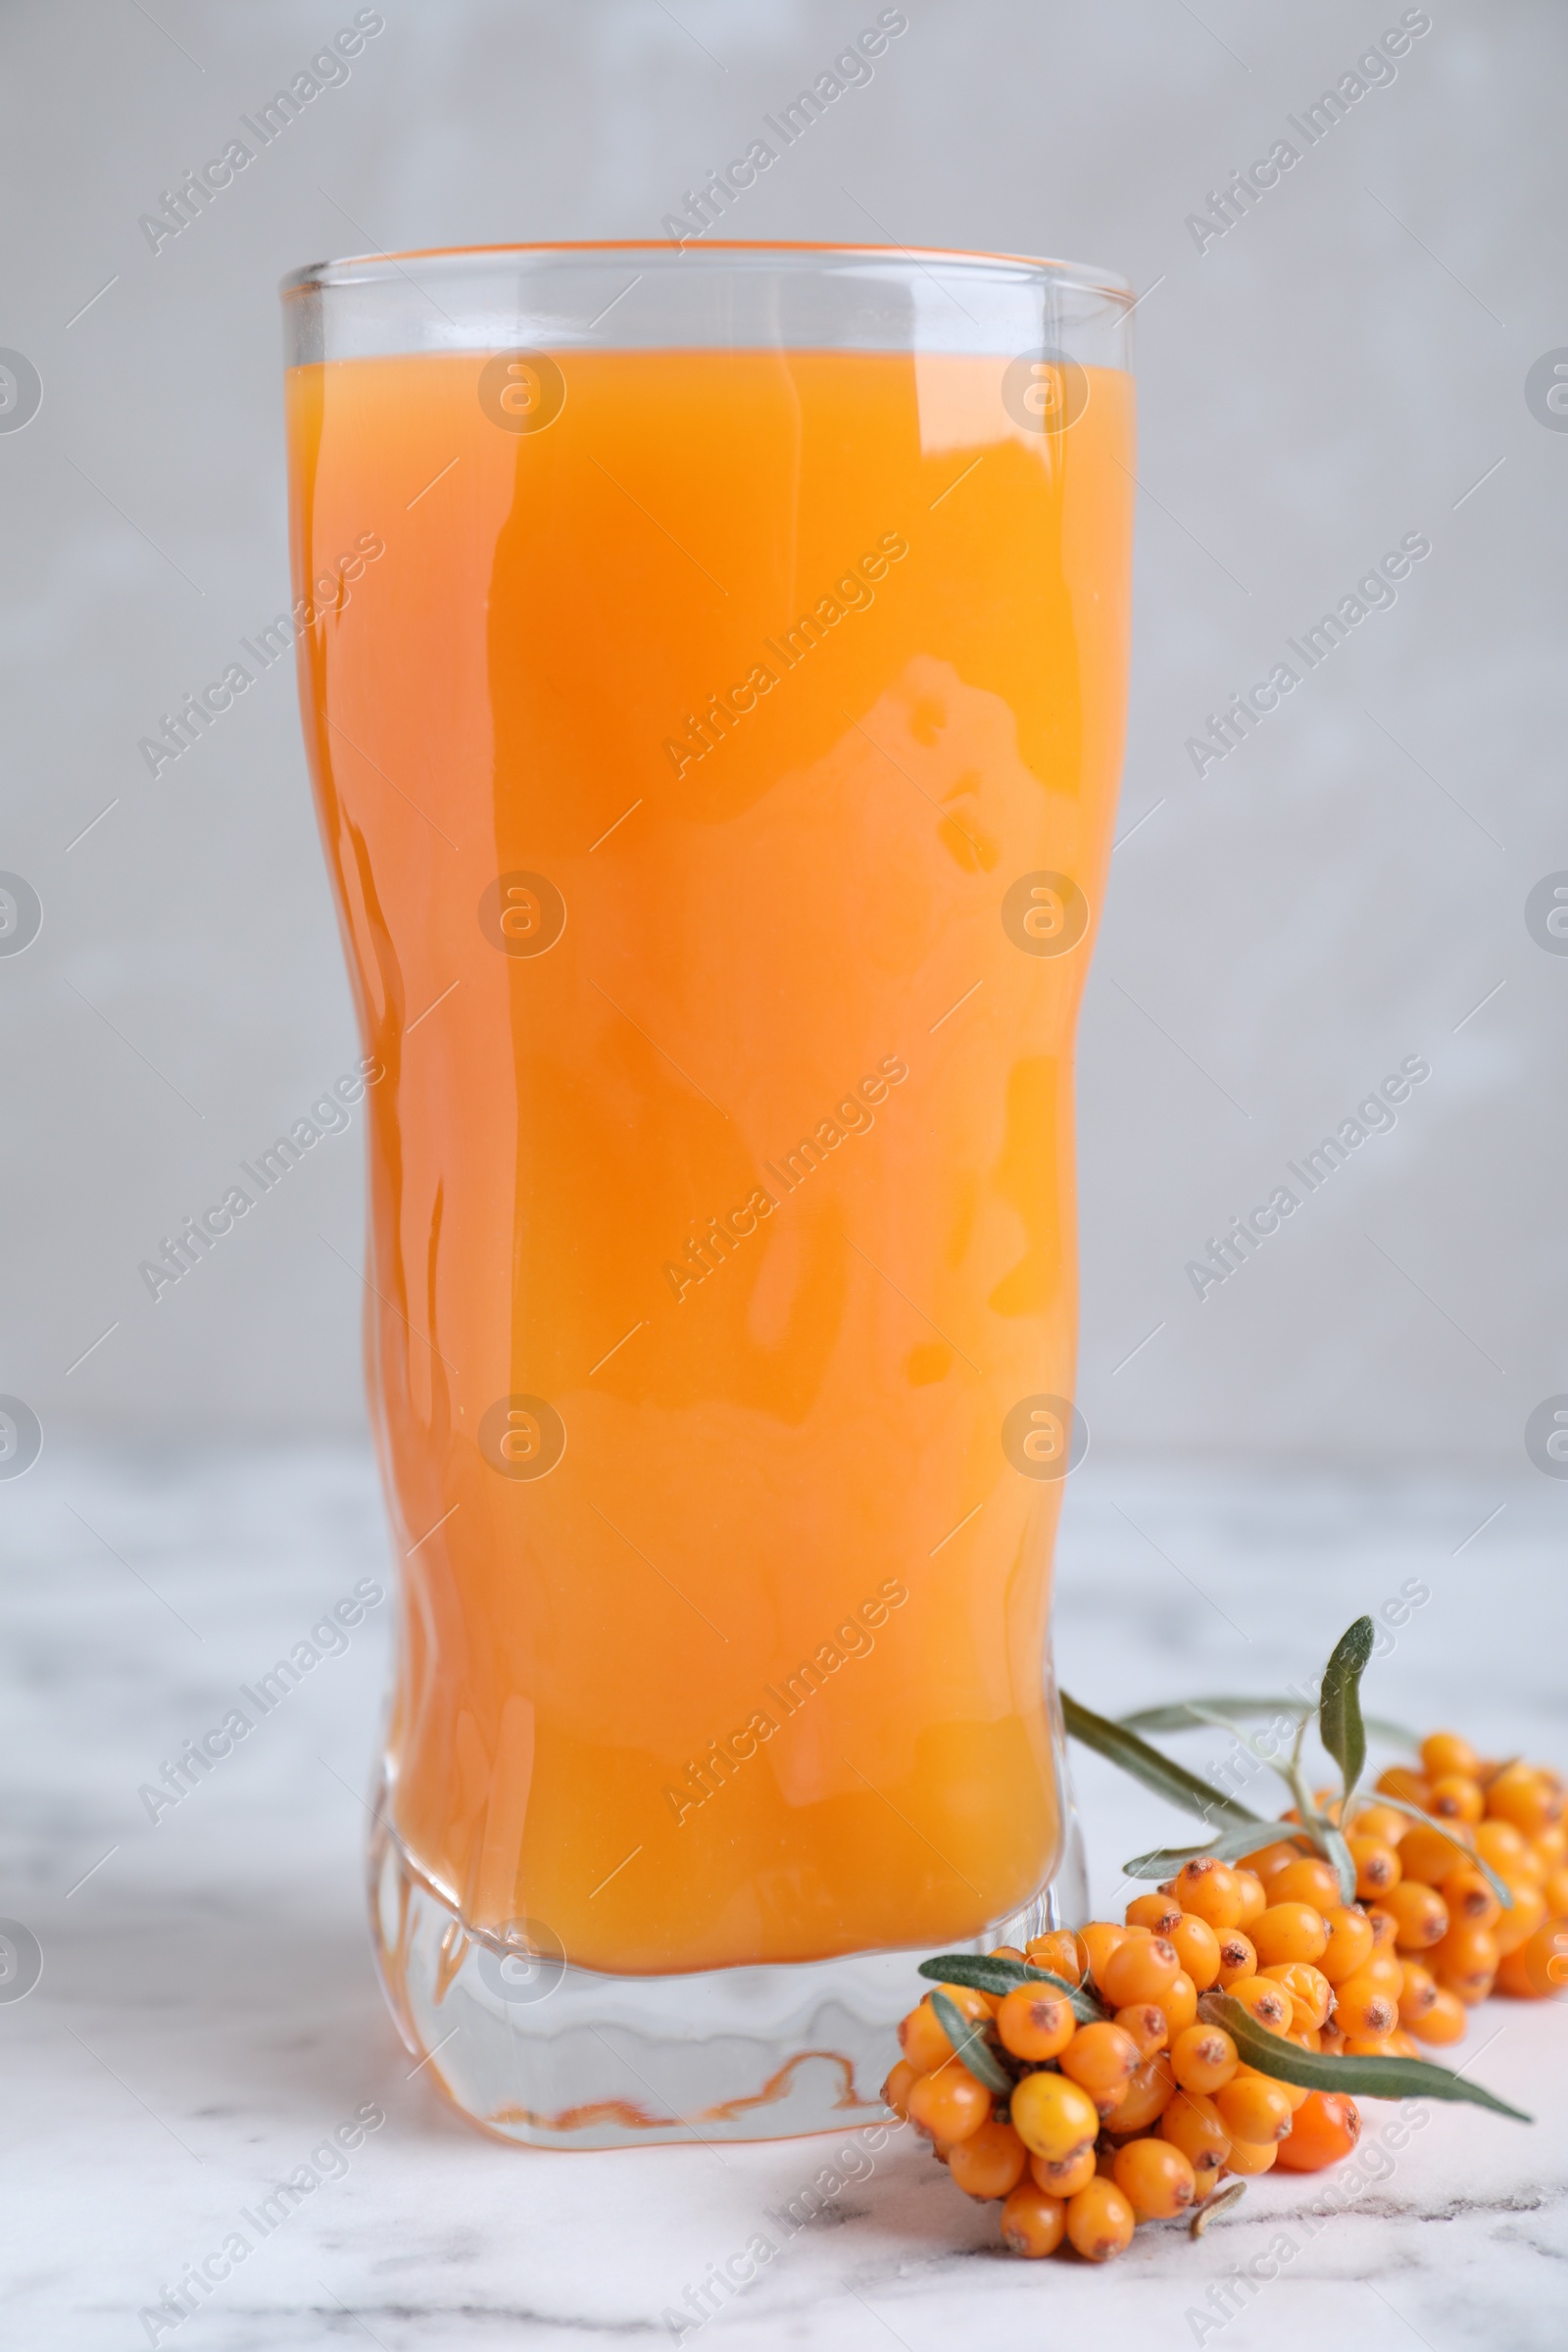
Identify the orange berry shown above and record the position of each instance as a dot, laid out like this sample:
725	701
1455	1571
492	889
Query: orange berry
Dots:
1053	2117
1309	1988
896	2089
989	2162
1066	2177
1470	1897
1143	1969
1290	1932
1419	1914
1146	2024
1101	2221
1555	1891
1238	1957
1385	1927
1033	2021
1203	2058
1269	1859
1101	2060
1377	1864
1158	1912
948	2105
1150	2090
1514	1927
1269	2003
1210	1889
921	2035
1155	2177
1444	2022
1381	1820
1443	1752
1308	1879
1410	1786
1538	1969
1253	1897
1061	1951
1363	2005
1531	1800
1100	1938
1350	1945
1305	2037
1385	1970
923	2041
1253	2108
1404	2044
1248	2158
1418	1991
1326	2126
1430	1853
1456	1798
1369	2045
1191	2123
1032	2222
1197	1948
1180	2003
1500	1843
1466	1962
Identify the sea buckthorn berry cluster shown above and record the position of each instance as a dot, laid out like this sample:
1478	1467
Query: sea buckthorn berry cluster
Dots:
1136	2116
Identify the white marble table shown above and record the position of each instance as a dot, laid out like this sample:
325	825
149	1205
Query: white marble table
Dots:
207	2013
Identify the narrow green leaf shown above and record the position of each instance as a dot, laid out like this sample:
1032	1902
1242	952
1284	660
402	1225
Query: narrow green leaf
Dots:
1165	1860
1221	2201
1364	2077
1335	1851
984	1973
1190	1714
1144	1763
1339	1706
969	2045
1500	1887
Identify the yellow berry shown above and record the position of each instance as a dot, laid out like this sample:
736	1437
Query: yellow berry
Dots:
1053	2118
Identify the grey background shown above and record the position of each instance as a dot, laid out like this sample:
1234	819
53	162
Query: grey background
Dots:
1340	368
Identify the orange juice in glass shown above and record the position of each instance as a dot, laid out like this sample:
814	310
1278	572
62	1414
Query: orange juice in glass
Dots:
712	667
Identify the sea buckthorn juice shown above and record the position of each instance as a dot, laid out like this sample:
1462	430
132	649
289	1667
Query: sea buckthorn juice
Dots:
716	773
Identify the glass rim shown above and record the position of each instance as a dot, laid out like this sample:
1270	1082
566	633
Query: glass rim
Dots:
361	269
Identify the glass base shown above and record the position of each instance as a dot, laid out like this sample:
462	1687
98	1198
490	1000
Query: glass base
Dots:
559	2057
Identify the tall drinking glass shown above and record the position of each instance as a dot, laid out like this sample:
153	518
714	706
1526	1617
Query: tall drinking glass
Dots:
713	666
